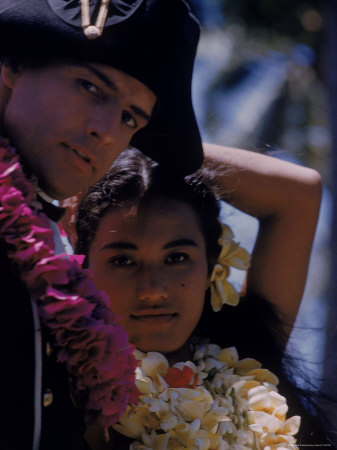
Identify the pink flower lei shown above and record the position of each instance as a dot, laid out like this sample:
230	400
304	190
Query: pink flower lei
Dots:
88	339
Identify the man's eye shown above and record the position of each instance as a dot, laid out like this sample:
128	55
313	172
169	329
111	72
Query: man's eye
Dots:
177	258
121	261
90	87
128	119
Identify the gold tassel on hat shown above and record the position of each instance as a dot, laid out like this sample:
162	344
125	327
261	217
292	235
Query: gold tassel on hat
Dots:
94	31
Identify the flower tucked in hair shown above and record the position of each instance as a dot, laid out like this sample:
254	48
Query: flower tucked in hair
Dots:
231	255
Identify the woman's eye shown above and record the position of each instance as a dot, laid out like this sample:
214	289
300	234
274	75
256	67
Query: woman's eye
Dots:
128	119
121	261
177	258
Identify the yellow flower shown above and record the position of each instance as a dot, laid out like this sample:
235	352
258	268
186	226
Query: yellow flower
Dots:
278	442
291	425
228	355
222	291
144	384
191	403
184	432
169	422
262	422
132	423
156	441
245	365
154	364
260	399
156	405
231	255
264	375
213	417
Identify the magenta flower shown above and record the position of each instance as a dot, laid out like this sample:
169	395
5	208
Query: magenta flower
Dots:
86	335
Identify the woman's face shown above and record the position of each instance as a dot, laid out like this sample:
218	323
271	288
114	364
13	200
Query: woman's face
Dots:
151	260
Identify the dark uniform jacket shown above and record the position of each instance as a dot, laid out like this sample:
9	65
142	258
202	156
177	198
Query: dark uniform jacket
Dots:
37	410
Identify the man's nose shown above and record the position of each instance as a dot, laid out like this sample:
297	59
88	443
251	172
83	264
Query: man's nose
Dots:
104	125
152	286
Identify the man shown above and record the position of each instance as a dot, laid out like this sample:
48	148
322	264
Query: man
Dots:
80	82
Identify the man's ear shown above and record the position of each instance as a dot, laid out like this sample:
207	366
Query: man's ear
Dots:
10	73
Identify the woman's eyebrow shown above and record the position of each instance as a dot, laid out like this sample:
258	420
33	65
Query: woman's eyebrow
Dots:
119	245
181	243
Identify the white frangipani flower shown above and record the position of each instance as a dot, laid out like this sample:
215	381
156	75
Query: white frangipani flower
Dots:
215	402
154	364
231	255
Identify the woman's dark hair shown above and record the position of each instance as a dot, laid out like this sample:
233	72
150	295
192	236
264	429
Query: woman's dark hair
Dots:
133	178
254	327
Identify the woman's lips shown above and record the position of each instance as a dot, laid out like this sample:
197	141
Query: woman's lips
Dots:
154	318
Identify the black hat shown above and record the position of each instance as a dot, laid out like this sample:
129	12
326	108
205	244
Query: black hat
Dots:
152	40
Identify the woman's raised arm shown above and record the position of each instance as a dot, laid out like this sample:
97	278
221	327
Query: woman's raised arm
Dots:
285	198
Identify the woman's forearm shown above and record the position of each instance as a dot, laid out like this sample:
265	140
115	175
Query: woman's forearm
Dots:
285	198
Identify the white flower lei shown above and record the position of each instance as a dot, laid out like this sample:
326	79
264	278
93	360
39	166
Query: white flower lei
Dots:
223	403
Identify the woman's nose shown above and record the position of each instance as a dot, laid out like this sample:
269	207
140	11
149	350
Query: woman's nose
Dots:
152	286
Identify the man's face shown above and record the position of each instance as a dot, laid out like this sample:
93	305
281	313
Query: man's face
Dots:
71	121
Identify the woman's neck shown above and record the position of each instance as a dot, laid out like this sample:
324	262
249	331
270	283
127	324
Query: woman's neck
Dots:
184	353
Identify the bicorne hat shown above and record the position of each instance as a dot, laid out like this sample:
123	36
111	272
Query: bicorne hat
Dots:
152	40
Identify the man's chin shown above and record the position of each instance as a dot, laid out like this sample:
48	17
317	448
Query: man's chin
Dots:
60	192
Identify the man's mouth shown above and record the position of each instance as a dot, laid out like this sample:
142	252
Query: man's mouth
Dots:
78	151
82	155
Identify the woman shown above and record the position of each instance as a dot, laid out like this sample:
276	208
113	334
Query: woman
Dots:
152	245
